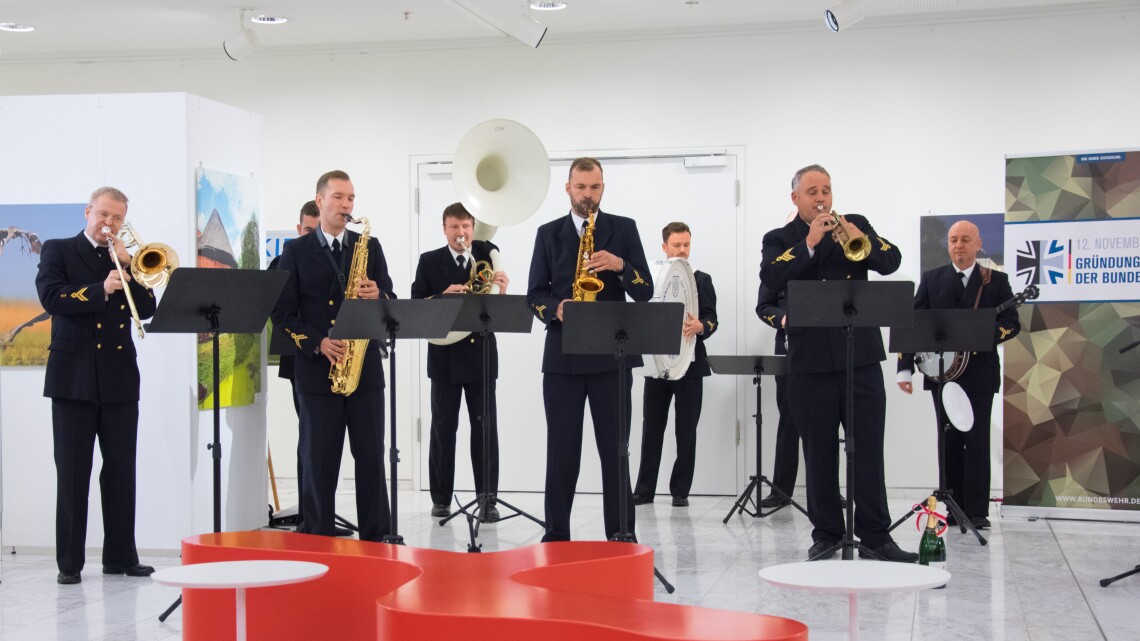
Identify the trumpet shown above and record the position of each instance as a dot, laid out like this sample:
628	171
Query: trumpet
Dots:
854	249
151	265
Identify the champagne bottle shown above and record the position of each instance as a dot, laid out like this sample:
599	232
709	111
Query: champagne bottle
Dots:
931	548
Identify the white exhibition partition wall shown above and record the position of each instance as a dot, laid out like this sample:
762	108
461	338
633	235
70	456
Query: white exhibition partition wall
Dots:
57	149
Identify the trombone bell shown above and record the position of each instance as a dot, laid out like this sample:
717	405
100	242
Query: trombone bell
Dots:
153	263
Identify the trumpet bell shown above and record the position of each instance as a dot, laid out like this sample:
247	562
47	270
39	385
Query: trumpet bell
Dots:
501	172
153	263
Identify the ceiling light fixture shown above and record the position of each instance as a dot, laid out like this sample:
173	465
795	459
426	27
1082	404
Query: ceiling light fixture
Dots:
547	5
16	27
518	26
843	15
263	18
242	43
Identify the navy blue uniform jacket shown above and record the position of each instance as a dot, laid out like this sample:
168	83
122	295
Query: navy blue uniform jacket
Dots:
311	300
552	271
814	350
92	355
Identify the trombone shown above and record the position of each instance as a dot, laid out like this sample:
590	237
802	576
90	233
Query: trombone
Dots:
151	265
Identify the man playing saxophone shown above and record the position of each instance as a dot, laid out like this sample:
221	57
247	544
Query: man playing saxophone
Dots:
320	267
618	262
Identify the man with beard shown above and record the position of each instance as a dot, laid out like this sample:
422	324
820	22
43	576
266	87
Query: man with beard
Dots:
569	380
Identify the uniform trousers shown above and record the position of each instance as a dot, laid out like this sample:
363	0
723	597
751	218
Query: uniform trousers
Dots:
324	420
659	393
76	426
818	403
786	464
564	398
966	459
445	399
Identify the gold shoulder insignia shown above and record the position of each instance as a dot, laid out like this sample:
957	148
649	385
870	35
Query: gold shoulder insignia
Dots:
540	309
771	320
637	280
78	295
885	245
712	325
297	338
1004	332
785	257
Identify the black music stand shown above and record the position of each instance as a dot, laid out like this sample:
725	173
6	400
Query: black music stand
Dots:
941	331
850	304
217	301
486	314
1104	583
755	366
391	319
291	517
622	328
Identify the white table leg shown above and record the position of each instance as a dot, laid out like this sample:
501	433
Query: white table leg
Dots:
240	614
853	616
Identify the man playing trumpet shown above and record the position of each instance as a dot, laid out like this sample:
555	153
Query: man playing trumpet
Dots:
456	370
805	249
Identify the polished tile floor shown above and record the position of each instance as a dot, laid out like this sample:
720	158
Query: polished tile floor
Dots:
1036	580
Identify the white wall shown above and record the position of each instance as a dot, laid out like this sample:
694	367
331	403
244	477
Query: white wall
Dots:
910	120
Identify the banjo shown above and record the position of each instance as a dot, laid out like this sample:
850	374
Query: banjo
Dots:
954	363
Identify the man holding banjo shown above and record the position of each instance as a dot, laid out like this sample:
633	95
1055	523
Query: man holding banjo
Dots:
965	284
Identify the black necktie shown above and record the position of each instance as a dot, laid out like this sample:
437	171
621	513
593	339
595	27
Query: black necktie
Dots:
336	251
103	254
462	262
960	288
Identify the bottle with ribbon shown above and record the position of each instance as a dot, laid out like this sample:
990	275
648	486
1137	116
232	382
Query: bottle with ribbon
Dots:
931	547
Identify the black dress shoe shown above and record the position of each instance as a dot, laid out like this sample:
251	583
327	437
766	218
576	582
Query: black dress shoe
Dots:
639	499
68	578
890	551
774	500
816	551
129	570
680	501
490	515
439	509
980	522
341	531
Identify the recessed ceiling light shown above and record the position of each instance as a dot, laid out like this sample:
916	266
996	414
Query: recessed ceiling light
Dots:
16	26
547	5
268	19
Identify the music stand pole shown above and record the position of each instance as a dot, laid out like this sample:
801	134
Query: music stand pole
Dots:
941	331
391	319
1104	583
621	328
755	366
489	314
194	295
849	304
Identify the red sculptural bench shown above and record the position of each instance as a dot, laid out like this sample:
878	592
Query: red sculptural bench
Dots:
582	590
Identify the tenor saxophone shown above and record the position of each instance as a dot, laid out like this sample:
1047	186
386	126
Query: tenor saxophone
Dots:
586	285
345	372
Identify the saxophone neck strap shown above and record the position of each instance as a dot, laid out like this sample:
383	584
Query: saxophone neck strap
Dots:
337	268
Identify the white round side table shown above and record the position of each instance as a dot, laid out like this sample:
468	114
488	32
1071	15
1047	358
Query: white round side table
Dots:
239	575
854	577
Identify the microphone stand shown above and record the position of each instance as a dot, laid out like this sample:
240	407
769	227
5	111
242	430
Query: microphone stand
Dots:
1104	583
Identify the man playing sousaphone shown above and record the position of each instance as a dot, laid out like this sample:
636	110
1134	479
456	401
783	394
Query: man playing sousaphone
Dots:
456	370
964	284
688	389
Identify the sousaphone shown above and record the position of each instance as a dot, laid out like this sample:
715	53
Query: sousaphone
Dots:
501	173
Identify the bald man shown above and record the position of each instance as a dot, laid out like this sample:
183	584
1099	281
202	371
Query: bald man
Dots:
964	284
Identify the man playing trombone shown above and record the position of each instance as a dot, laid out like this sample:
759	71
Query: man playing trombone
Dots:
456	369
92	379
